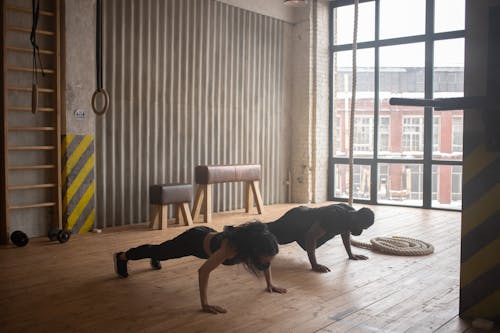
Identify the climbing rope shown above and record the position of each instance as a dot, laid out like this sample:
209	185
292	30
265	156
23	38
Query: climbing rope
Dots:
353	101
400	246
99	90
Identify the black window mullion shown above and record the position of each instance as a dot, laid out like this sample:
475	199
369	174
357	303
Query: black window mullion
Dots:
331	166
428	94
376	111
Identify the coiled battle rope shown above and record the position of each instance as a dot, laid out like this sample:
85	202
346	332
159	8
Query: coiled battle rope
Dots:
396	245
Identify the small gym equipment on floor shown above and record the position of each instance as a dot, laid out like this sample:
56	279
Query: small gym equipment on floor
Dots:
19	238
59	235
207	175
160	196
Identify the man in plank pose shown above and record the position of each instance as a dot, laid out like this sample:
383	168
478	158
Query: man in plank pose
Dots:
312	227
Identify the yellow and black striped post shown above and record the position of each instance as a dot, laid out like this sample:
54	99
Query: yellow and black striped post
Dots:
480	252
78	182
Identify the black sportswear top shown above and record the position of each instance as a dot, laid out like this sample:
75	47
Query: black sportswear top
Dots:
215	244
293	226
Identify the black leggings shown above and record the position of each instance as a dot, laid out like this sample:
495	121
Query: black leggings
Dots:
189	243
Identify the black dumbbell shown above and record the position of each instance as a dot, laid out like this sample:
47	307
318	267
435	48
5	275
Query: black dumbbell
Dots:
19	238
60	235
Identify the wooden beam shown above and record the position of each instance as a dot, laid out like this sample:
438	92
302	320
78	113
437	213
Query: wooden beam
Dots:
28	10
37	205
178	213
154	216
30	187
186	214
207	204
198	199
4	196
31	167
248	196
257	196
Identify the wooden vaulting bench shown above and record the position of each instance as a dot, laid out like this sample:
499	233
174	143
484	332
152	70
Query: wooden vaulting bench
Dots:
162	195
207	175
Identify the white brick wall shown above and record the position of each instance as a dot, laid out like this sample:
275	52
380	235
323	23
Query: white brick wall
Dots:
310	106
301	122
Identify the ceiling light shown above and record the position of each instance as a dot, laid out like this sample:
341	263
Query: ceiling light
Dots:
296	3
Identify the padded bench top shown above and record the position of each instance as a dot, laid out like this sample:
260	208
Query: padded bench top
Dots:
163	194
211	174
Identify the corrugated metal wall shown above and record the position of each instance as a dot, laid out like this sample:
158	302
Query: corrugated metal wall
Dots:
191	82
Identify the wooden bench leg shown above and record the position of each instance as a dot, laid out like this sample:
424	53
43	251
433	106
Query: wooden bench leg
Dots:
200	193
163	217
154	216
159	217
256	195
186	214
248	197
178	213
207	204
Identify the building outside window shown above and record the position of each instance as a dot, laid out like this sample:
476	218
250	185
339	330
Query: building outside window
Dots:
413	134
384	134
458	134
363	134
456	183
436	133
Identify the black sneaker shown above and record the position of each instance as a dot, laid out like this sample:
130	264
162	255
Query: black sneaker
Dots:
120	265
155	264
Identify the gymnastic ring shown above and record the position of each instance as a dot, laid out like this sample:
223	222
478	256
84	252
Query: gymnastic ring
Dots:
106	101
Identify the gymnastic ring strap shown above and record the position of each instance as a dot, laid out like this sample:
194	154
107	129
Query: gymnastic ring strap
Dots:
105	107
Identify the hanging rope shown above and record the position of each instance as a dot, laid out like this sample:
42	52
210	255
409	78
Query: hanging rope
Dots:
400	246
35	9
98	51
353	101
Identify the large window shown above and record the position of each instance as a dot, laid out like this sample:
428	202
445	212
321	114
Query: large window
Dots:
404	155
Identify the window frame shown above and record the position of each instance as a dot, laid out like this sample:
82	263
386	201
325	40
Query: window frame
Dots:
427	162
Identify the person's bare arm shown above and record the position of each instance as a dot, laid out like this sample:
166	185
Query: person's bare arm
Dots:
312	235
217	258
270	287
346	239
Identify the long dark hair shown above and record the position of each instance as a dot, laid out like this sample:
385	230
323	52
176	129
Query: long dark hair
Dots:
252	240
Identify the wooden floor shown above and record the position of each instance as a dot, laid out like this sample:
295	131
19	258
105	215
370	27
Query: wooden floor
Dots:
48	287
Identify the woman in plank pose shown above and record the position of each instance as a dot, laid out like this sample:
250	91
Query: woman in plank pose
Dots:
312	227
250	244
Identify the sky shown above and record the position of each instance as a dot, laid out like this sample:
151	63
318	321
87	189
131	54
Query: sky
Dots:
400	18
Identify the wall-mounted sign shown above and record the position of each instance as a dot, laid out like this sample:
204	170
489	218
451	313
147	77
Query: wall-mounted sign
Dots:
80	114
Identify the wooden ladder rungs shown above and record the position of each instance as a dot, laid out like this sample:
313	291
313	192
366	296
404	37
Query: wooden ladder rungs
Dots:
31	148
30	187
28	10
26	30
31	167
28	69
26	128
43	204
28	108
27	50
28	89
